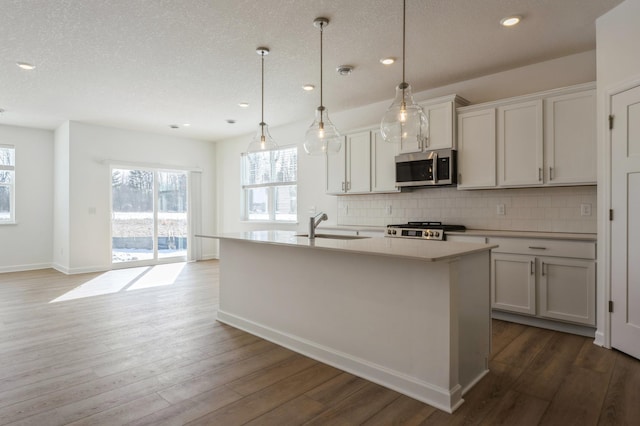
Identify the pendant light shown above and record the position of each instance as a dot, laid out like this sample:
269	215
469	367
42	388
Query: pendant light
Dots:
404	121
322	137
262	141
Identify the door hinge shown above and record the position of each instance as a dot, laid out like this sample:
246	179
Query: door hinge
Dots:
610	214
610	305
610	122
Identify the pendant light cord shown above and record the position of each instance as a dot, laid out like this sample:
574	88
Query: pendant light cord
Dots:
321	31
404	18
262	94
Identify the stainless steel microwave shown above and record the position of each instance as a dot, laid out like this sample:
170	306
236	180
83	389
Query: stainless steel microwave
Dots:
429	168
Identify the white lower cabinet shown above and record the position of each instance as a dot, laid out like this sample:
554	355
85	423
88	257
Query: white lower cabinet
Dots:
513	283
549	279
567	289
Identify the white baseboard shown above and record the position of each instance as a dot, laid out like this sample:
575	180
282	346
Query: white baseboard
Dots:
27	267
444	399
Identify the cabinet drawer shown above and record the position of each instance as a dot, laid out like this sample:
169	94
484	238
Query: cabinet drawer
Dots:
544	247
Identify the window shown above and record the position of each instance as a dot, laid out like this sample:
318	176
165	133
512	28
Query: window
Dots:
269	185
7	183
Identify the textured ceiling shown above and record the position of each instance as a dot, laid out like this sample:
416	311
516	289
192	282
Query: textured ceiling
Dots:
146	64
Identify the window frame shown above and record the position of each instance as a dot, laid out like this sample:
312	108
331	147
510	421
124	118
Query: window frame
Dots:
270	186
11	185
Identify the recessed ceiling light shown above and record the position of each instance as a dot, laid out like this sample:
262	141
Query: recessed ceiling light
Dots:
308	87
231	121
510	21
387	61
243	105
186	124
26	66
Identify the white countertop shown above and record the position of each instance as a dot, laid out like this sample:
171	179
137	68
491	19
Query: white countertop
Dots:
430	251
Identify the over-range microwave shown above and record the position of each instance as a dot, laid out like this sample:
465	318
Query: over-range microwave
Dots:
429	168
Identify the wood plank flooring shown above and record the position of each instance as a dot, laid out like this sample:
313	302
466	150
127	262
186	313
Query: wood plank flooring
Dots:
157	356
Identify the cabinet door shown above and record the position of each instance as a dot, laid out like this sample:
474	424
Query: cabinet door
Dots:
567	289
383	164
513	280
359	162
336	171
477	149
520	144
440	118
570	139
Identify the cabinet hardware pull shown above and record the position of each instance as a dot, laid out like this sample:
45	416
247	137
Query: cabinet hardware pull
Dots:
343	189
550	173
532	269
537	248
542	269
540	173
349	186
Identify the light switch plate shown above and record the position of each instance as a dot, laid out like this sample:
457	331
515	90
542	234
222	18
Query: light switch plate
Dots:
500	209
585	209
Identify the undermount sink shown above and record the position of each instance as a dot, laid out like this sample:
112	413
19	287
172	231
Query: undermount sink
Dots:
335	236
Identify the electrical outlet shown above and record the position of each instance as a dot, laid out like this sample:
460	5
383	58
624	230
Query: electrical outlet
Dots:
388	210
312	210
585	209
500	209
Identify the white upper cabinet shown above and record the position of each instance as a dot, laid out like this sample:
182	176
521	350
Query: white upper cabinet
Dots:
383	165
477	149
542	139
441	115
337	171
520	144
570	138
358	177
349	171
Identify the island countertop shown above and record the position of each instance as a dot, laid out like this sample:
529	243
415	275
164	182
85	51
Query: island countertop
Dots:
429	251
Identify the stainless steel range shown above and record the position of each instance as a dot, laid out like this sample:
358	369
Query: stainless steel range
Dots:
423	230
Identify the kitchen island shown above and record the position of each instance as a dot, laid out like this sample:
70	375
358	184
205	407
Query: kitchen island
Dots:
411	315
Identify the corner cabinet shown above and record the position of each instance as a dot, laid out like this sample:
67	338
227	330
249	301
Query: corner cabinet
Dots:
441	116
549	279
543	139
365	164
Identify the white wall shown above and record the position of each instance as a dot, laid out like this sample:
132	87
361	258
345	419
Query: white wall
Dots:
90	150
618	62
61	220
27	244
573	69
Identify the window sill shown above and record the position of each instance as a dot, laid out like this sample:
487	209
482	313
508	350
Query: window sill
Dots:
8	223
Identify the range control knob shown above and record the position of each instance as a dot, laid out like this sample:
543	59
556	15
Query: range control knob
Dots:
437	234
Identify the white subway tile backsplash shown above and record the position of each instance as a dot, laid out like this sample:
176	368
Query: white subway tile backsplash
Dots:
526	209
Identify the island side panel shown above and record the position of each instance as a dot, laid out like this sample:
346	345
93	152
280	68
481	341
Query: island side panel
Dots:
387	319
474	321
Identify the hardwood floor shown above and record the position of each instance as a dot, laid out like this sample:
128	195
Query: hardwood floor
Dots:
140	354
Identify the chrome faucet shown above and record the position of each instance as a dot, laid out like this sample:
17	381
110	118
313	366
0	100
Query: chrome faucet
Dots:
314	221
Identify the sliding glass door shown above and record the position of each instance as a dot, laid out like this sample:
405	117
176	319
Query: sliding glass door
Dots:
149	217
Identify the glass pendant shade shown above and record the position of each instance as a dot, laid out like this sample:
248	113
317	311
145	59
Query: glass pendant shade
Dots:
322	137
404	121
262	140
